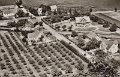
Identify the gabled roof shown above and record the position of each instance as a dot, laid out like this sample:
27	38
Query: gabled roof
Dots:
92	35
109	43
34	34
82	20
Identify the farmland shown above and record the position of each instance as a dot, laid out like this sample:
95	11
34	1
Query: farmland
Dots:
105	3
45	59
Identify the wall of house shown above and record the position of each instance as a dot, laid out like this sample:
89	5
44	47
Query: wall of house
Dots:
114	48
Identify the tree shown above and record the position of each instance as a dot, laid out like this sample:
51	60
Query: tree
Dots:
11	24
70	11
68	68
20	13
113	28
21	22
91	10
41	23
80	42
115	9
74	34
64	27
94	43
106	24
19	3
76	13
70	28
59	11
33	11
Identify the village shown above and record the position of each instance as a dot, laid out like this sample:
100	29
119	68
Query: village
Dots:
59	41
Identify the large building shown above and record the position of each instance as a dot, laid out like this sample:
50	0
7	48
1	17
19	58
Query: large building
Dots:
8	11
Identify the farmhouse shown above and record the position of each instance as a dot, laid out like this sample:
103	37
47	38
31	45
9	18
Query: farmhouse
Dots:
109	46
34	36
8	11
53	8
82	21
39	11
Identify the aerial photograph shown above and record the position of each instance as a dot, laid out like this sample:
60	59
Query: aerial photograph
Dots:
59	38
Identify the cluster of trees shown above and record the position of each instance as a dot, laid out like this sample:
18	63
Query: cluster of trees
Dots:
92	44
33	11
20	13
17	24
45	9
19	3
102	69
113	28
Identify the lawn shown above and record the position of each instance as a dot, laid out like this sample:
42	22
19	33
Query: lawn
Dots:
86	29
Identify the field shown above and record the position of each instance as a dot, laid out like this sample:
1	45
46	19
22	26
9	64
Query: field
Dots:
86	29
105	3
43	60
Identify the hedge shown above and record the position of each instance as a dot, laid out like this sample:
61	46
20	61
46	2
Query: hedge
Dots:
75	51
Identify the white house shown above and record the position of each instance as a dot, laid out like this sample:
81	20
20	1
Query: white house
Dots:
93	35
83	21
109	46
8	11
34	36
53	8
39	11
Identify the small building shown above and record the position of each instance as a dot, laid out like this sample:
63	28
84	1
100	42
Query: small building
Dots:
8	11
83	21
34	36
53	8
109	46
93	35
39	11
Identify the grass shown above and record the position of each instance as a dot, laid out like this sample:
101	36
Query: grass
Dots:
7	2
86	29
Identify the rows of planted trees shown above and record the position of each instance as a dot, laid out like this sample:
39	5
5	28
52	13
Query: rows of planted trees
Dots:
43	60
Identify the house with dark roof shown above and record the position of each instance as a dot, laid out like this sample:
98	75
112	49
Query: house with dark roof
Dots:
109	45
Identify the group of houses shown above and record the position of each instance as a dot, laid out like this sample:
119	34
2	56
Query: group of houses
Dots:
107	45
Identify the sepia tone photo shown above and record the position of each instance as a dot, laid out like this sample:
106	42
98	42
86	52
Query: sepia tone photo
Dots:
59	38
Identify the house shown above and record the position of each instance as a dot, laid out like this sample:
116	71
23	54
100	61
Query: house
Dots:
83	21
39	11
53	8
93	35
34	36
8	11
109	45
